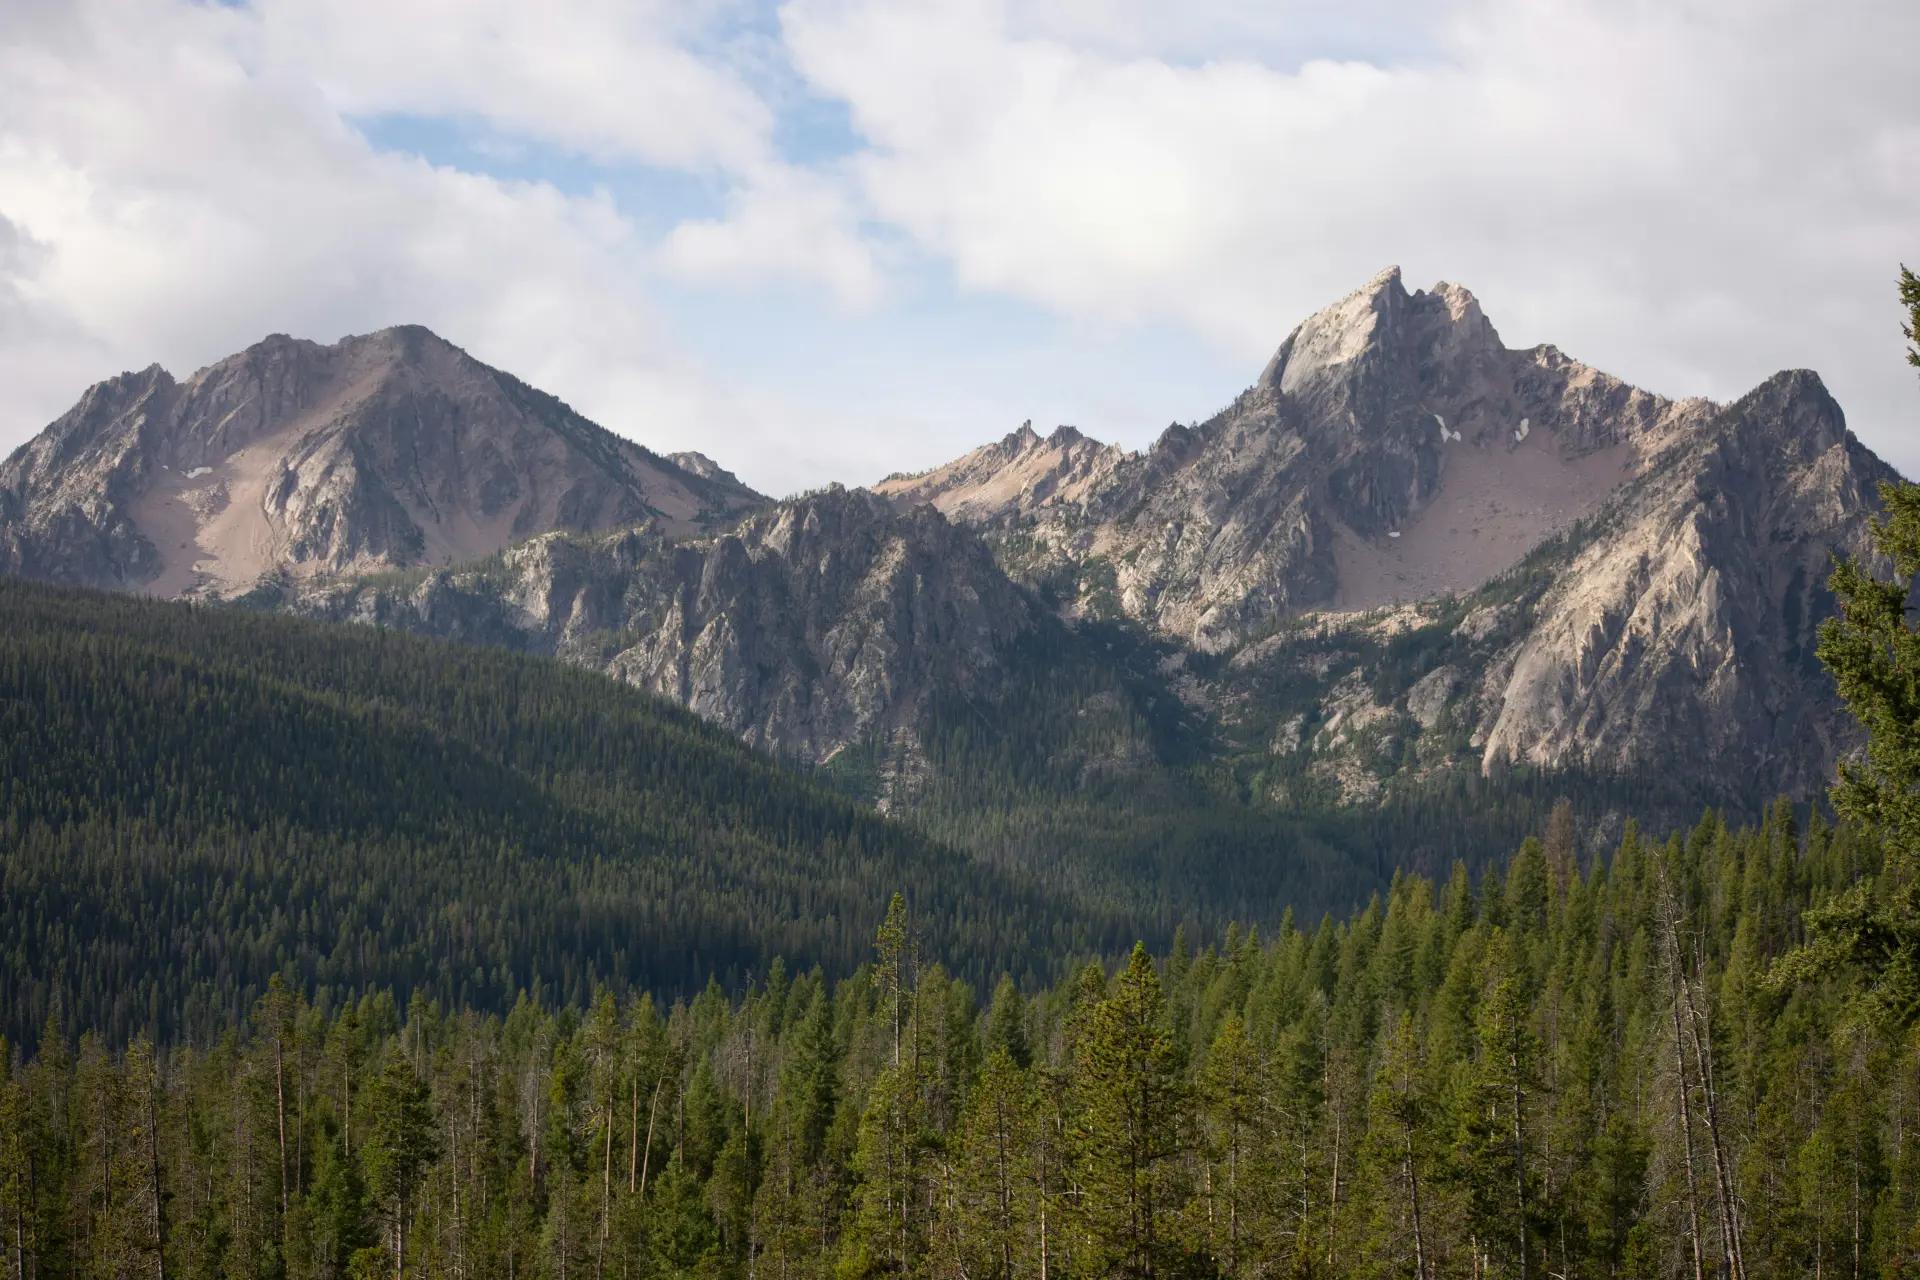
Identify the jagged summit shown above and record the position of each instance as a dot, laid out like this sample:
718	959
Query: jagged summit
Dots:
383	449
1341	536
1021	472
696	463
1395	455
1392	449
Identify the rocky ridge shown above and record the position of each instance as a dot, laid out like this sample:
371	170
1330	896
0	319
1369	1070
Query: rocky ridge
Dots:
1015	477
1408	548
393	448
1391	450
820	621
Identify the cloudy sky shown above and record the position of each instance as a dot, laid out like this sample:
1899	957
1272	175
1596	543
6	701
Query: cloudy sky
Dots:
828	239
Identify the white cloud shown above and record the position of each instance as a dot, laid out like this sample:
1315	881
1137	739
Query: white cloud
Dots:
614	79
787	224
1690	193
170	194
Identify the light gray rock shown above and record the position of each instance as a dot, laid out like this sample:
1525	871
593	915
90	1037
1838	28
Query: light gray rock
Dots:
1391	450
395	448
1688	623
1640	573
819	622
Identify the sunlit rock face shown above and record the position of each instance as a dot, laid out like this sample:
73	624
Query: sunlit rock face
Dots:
818	622
1391	450
1629	570
297	459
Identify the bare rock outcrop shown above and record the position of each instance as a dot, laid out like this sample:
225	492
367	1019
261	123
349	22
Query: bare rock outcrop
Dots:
1587	573
1391	450
818	622
395	448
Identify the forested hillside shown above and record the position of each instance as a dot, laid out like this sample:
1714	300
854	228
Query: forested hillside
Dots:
192	799
1560	1072
195	797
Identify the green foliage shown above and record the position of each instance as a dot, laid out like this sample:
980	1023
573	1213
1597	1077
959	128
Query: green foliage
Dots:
1874	654
1563	1071
195	799
1910	299
1130	1095
1872	649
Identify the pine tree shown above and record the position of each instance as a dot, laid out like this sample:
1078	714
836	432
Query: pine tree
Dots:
1872	648
1129	1099
1494	1155
337	1210
401	1142
994	1172
1233	1108
1006	1024
1399	1152
885	1236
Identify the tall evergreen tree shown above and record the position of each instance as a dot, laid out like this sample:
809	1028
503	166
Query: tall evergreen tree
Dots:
401	1142
1872	647
1130	1097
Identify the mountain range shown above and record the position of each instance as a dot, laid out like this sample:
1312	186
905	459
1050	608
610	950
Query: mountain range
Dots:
1406	555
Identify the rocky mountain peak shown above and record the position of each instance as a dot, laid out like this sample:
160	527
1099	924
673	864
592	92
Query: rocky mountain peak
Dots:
701	465
1352	363
1394	449
1338	335
1795	406
1020	473
294	457
1024	438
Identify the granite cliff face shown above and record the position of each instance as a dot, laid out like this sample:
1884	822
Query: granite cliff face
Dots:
1408	548
1668	637
395	448
1392	450
818	622
1690	617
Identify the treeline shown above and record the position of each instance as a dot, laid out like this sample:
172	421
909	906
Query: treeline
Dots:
1557	1072
193	799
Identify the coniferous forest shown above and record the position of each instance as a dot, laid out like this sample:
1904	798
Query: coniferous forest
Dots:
1558	1072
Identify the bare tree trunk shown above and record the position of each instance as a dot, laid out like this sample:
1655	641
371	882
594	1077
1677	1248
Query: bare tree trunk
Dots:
158	1210
653	1110
1413	1199
1681	1089
1716	1143
606	1188
1519	1166
453	1175
1333	1203
280	1113
1042	1172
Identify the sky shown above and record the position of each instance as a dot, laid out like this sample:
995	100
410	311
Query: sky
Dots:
825	240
